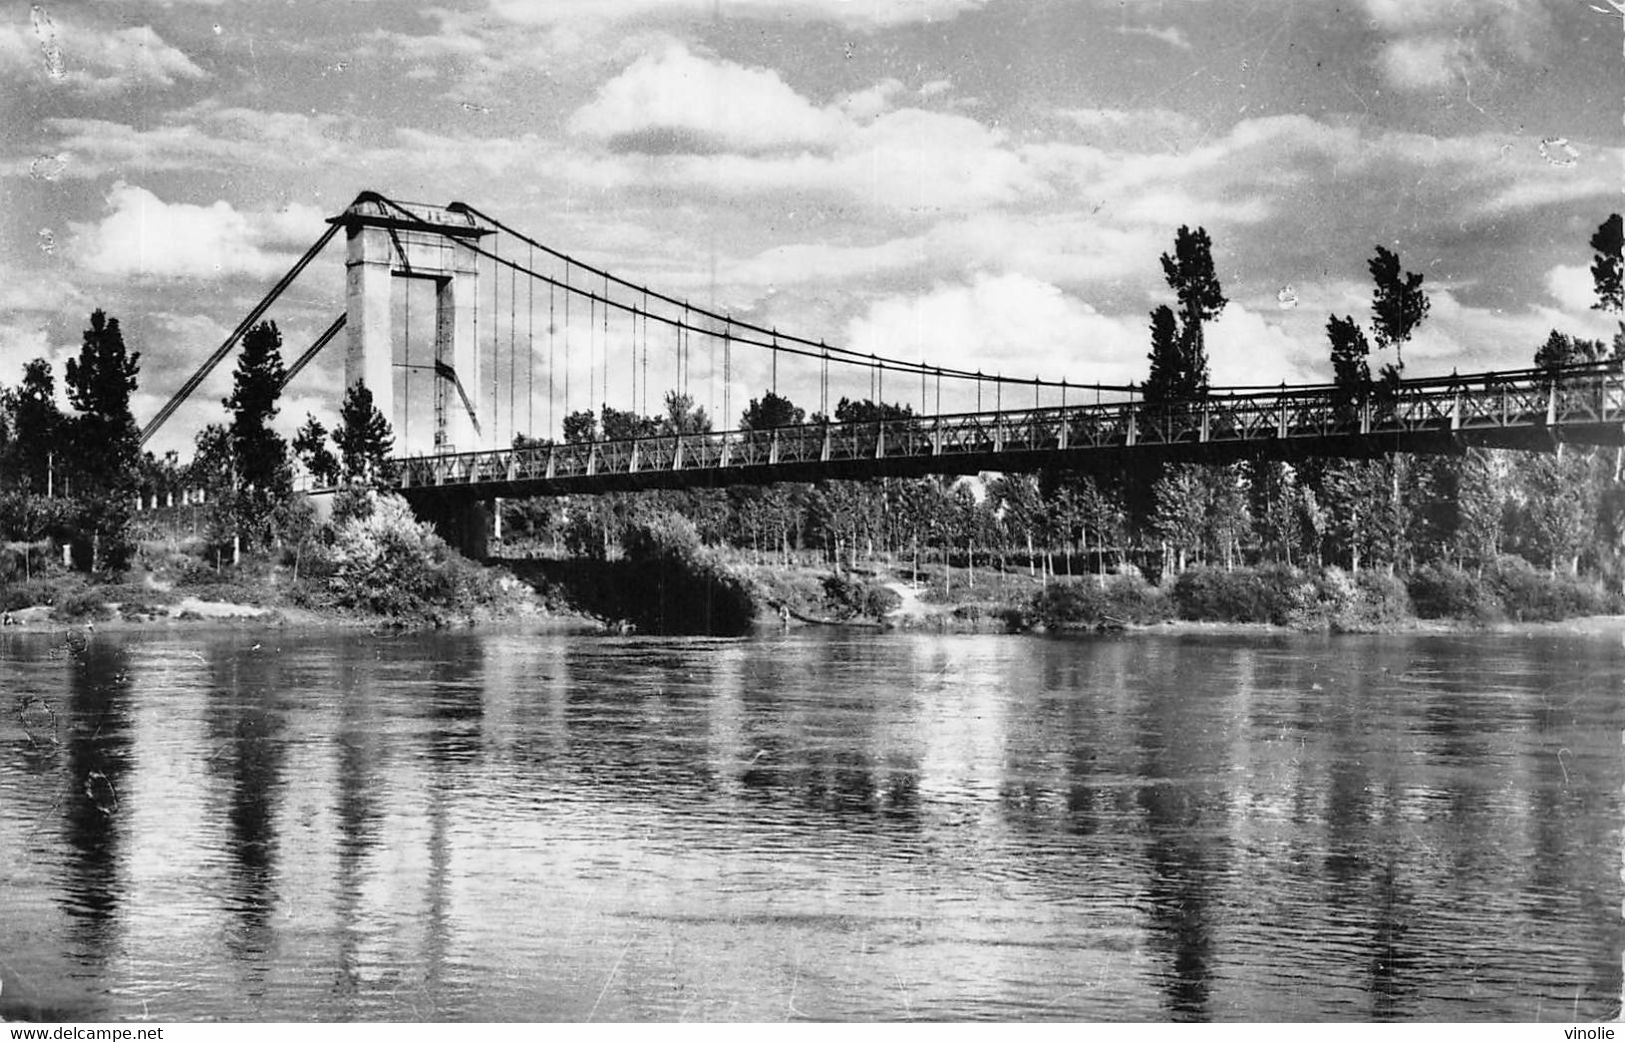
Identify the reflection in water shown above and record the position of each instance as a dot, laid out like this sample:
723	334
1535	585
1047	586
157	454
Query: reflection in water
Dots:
245	726
97	754
1184	814
825	826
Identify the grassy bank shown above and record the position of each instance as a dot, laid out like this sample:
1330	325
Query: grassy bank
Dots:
1329	599
374	563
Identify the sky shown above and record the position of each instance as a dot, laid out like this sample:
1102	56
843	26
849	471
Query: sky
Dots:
985	184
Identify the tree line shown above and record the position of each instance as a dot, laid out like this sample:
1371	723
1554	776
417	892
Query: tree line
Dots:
1563	512
75	478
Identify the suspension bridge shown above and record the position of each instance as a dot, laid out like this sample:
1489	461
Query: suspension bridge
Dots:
479	343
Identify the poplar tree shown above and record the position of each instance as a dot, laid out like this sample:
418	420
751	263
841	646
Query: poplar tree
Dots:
1167	379
1605	266
1397	307
1189	272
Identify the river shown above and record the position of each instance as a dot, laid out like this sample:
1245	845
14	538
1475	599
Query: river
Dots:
280	825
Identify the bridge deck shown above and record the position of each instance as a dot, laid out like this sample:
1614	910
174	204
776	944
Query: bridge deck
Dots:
1530	410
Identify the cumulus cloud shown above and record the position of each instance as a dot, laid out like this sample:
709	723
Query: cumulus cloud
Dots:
96	60
1572	286
1244	348
1011	324
677	101
724	128
144	236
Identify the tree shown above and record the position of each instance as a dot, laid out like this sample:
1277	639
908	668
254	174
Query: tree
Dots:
104	443
1480	504
683	416
1605	266
849	410
364	438
769	411
35	426
260	471
581	426
310	443
1167	381
261	454
1560	349
1351	373
1179	515
618	425
100	382
1190	275
1397	306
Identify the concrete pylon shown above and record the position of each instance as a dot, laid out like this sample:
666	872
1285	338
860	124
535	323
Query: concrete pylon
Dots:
386	241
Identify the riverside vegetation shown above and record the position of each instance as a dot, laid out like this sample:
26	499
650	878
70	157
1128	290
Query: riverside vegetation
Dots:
1483	537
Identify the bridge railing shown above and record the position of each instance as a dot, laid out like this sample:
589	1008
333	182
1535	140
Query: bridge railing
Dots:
1591	395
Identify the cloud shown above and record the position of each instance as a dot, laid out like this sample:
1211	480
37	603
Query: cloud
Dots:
146	237
723	129
680	97
857	14
1172	35
93	59
1426	61
1245	349
1011	324
1433	44
1572	286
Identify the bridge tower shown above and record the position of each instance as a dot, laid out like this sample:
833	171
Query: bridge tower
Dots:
386	241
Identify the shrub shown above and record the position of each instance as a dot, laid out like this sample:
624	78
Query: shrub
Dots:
672	584
1131	599
385	562
1121	600
1530	595
848	598
86	602
1242	595
1382	600
1443	591
37	591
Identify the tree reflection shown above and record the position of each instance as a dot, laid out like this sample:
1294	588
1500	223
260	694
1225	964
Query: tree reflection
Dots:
1189	843
98	756
246	723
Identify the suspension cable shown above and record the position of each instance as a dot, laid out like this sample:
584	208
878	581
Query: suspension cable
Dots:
893	364
687	327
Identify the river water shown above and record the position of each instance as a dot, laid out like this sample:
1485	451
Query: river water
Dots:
282	826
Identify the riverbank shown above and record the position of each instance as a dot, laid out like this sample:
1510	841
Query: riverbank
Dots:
667	582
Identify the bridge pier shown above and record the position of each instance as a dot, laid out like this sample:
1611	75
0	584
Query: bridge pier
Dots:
385	242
